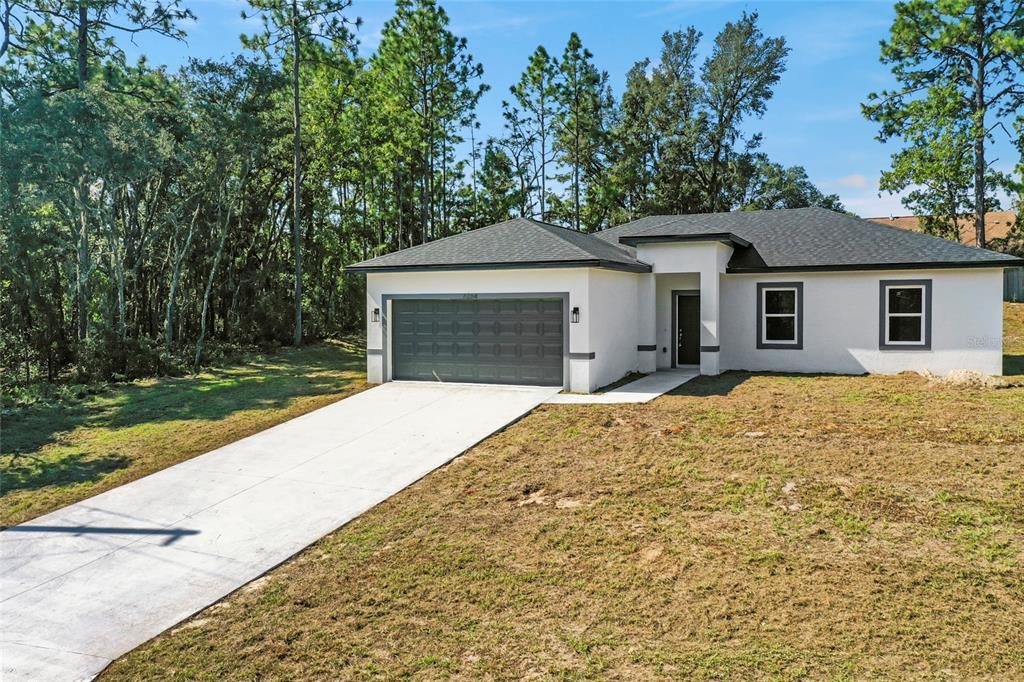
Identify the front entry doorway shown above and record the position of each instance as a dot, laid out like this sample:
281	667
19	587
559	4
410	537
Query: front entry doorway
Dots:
687	328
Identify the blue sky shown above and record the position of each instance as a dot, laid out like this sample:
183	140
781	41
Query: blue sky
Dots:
813	120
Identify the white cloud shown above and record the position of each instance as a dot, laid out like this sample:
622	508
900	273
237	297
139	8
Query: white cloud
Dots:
854	180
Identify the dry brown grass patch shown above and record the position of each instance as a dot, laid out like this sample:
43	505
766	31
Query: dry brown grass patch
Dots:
874	531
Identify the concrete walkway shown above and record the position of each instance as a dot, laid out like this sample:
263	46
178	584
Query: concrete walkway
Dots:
643	390
87	583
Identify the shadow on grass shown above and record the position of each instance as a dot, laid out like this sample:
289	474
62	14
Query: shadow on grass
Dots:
704	385
724	383
29	473
267	383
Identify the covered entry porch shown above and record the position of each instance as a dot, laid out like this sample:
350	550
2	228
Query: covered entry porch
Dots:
680	306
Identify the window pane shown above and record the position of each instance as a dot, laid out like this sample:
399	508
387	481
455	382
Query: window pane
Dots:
779	301
905	300
905	328
780	329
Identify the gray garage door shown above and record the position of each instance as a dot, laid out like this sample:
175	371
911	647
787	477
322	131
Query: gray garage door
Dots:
494	341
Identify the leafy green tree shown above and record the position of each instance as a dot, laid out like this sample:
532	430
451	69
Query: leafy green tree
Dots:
293	29
738	80
426	83
536	100
958	63
936	170
636	145
678	120
770	185
583	100
681	145
501	189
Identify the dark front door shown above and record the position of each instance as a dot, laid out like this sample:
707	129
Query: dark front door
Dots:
687	330
495	341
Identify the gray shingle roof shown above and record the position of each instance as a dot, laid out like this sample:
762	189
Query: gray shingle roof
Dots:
520	242
809	238
788	239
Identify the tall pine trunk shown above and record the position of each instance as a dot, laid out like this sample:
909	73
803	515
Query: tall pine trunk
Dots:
296	179
979	126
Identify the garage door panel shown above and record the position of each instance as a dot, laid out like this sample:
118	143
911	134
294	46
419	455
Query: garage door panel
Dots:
510	341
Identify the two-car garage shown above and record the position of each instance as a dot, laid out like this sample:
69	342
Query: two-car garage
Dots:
521	302
501	340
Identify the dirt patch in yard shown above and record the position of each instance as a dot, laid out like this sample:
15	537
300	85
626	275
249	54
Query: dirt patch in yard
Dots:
873	529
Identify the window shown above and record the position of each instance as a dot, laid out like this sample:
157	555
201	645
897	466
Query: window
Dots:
905	314
780	315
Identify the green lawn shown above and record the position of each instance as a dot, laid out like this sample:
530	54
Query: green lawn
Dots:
52	456
745	527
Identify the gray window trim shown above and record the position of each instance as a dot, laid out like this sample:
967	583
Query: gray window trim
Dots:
776	345
883	310
385	314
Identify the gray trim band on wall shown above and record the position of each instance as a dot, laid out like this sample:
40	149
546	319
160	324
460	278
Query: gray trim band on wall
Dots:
710	349
883	343
776	345
651	347
582	356
375	351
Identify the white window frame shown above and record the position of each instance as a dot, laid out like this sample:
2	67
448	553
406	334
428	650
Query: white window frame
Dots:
924	317
765	315
763	342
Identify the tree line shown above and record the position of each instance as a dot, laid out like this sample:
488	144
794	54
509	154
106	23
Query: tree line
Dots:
155	220
959	70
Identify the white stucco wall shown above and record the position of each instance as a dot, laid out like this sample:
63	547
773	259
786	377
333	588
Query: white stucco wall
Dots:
606	299
841	320
614	325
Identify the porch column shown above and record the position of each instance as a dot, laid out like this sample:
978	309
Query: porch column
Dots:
710	286
647	336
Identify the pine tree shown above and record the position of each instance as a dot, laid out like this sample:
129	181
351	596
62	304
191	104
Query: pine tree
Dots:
535	94
580	139
955	62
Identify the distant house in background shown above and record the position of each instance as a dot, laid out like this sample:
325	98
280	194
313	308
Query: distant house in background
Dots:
997	226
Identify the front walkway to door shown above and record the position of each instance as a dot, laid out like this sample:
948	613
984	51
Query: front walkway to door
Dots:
87	583
643	390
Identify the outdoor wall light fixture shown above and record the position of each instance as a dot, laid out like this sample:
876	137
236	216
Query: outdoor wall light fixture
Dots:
575	314
376	315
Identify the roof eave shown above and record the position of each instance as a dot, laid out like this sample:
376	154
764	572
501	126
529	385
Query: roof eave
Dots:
845	267
505	265
727	238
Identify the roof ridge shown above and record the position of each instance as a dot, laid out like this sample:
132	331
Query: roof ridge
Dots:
598	243
546	227
675	219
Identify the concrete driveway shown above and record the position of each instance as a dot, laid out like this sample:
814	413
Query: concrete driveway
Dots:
87	583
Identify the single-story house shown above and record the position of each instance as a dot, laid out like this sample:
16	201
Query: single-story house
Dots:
799	290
